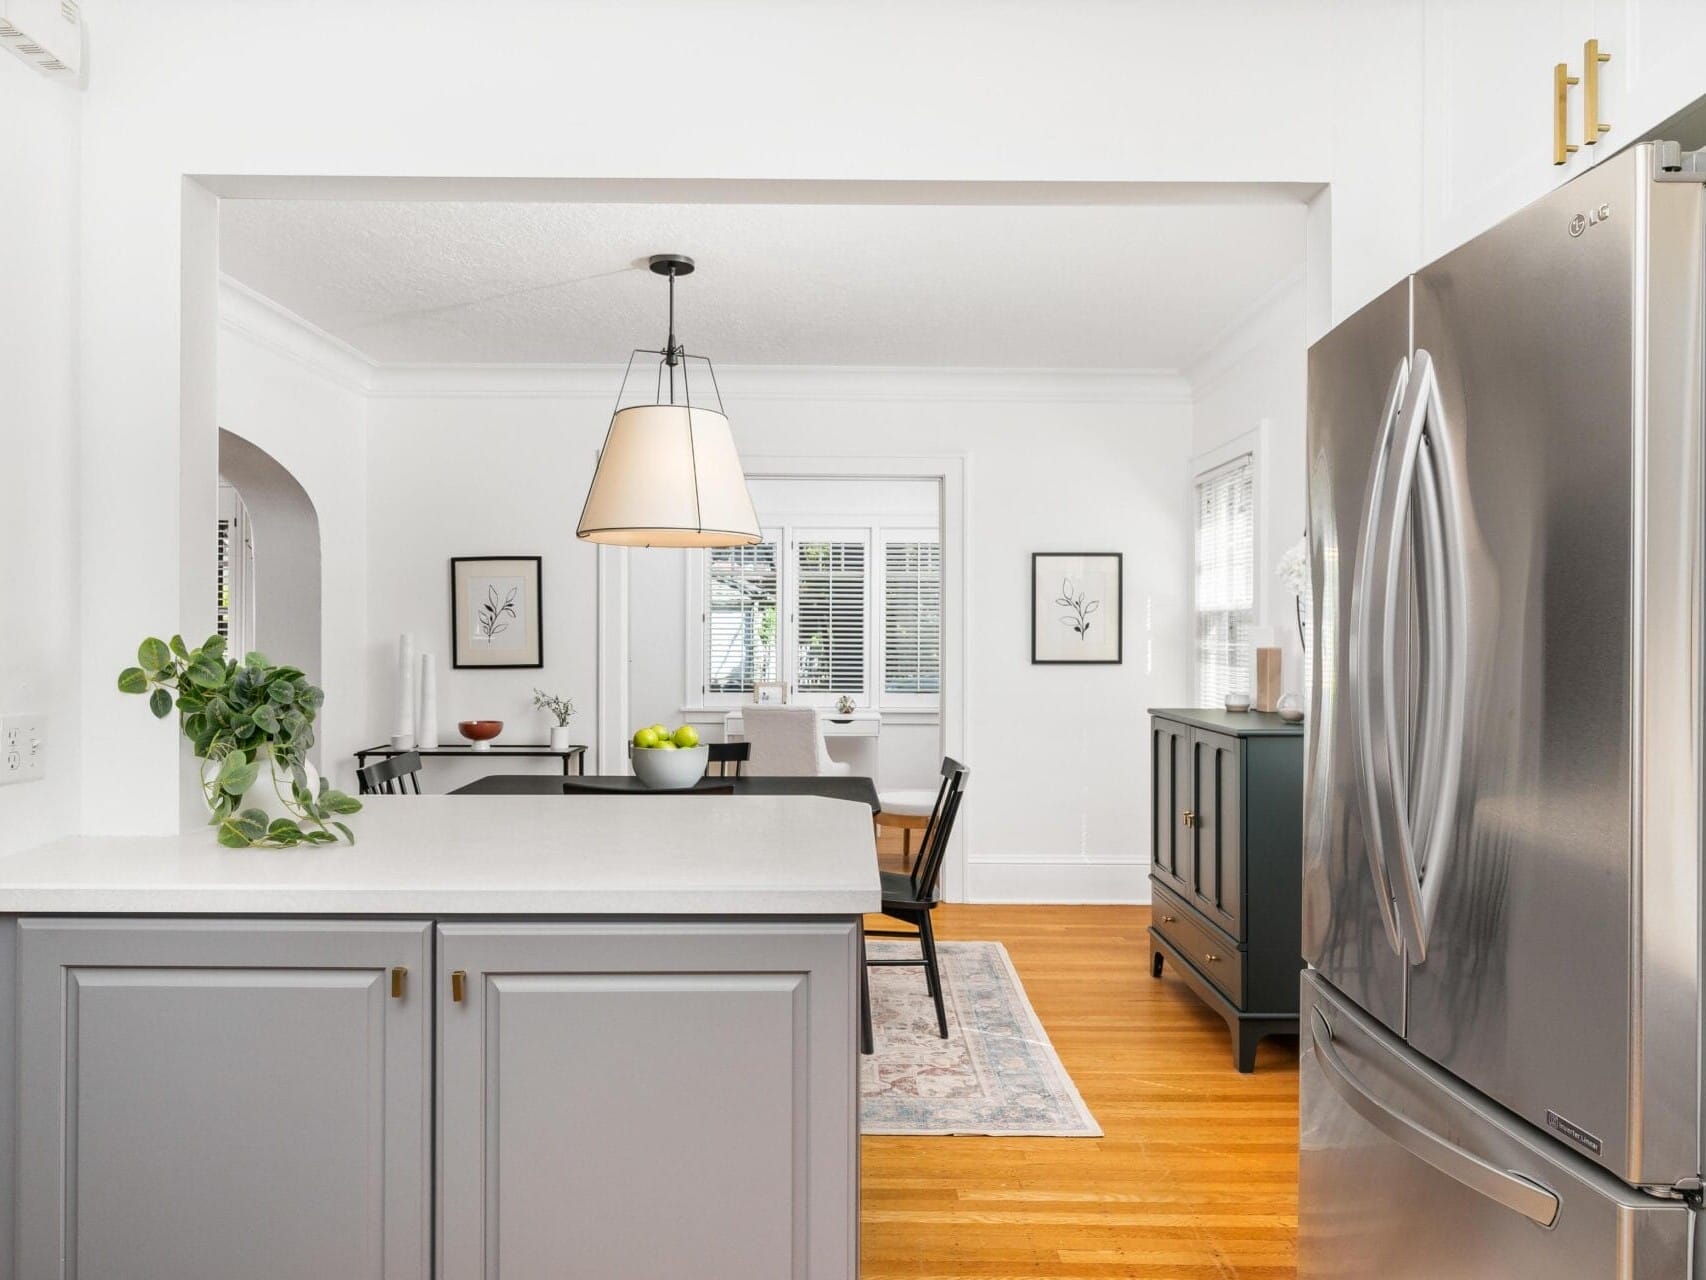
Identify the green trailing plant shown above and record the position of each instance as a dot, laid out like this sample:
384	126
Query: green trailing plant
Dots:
562	710
250	720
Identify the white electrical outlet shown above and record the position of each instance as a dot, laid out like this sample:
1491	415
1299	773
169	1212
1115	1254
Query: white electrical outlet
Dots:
22	749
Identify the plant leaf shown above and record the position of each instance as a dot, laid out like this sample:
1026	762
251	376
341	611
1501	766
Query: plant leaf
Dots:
338	802
133	680
348	834
153	656
160	703
242	830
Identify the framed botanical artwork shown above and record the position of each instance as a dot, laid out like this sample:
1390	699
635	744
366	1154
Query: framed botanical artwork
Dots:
1077	607
769	693
495	612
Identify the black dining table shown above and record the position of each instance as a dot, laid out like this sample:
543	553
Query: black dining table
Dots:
837	787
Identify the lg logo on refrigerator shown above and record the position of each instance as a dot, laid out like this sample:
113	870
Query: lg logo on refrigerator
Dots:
1592	218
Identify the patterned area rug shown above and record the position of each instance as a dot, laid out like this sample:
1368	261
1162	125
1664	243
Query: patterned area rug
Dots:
996	1074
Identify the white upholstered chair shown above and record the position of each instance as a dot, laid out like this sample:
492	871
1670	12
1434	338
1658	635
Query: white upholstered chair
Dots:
787	742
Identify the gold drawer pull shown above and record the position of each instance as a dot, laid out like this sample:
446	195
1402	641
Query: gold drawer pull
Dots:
1169	920
1189	818
459	985
399	982
1211	957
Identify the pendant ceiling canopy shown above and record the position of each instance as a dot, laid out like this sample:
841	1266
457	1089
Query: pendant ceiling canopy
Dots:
668	475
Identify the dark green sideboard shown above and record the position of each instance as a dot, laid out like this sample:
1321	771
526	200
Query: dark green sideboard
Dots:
1226	815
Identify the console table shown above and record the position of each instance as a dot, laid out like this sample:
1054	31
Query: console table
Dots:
461	750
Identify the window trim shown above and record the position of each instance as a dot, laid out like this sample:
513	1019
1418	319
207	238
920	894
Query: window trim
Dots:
1252	444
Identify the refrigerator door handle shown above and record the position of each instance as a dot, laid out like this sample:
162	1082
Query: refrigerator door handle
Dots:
1381	822
1512	1190
1425	480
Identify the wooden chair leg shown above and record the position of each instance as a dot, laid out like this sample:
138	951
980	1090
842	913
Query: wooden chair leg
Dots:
933	972
906	848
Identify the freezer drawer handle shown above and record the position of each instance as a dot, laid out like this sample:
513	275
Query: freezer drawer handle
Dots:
1512	1190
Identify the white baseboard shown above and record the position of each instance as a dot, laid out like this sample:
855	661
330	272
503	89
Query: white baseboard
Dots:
1041	880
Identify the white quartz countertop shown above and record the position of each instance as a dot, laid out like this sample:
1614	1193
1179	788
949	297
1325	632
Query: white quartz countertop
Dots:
485	855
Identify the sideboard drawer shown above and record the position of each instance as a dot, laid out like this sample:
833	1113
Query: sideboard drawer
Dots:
1222	963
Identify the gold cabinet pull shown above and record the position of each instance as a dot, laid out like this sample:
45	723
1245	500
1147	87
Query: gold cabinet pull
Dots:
1592	125
1189	818
1210	957
399	982
1169	920
1561	82
459	985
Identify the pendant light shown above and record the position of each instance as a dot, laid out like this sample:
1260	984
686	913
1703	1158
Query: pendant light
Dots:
668	475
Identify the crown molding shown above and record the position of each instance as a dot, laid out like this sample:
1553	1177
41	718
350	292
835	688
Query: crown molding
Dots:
278	329
1238	338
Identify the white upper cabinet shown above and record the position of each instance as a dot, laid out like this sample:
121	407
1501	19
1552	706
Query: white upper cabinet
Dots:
1488	107
1489	130
1656	65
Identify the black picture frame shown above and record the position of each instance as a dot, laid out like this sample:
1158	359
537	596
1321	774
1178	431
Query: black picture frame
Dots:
1117	614
460	660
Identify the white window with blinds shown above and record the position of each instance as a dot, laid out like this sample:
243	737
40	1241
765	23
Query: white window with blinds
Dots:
851	610
742	616
830	614
234	609
1225	593
911	595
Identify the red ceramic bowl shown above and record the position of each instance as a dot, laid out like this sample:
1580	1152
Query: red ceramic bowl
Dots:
478	731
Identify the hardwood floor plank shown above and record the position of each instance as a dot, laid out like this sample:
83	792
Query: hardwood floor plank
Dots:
1195	1178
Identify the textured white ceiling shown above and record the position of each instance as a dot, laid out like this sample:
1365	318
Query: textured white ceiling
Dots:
1034	286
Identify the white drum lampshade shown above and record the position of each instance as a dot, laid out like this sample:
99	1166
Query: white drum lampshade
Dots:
669	476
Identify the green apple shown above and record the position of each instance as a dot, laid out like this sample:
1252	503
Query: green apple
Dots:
646	739
687	736
665	745
661	732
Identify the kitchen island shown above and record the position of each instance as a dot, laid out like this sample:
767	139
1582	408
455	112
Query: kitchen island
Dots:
516	1036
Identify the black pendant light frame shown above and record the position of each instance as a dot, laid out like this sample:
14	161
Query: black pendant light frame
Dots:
672	353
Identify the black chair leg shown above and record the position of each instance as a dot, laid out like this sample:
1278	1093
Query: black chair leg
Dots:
867	1041
933	972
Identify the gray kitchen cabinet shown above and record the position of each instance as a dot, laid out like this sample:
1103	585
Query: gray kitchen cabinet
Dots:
1226	869
204	1099
647	1100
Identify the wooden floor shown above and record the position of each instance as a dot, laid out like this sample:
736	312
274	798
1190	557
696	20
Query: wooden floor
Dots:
1196	1176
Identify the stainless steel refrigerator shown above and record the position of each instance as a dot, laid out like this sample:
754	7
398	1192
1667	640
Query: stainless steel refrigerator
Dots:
1502	1026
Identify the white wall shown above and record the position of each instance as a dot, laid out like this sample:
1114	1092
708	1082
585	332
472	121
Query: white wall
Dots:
886	91
480	475
293	394
39	525
1253	381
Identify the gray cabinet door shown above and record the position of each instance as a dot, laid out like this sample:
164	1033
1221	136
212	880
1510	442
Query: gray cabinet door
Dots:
1217	847
649	1101
1170	799
202	1100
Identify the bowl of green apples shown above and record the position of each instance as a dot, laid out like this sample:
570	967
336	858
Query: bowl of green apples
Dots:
668	761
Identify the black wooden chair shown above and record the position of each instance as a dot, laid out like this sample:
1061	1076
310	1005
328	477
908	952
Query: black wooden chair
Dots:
910	897
398	775
727	758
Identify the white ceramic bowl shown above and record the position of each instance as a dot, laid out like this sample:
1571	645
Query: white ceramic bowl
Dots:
670	770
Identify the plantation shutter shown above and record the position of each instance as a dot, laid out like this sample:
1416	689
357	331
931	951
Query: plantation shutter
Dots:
1226	579
741	613
912	617
225	578
830	593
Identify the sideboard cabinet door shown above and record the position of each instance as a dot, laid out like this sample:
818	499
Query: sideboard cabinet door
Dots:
1217	862
204	1100
648	1101
1170	801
